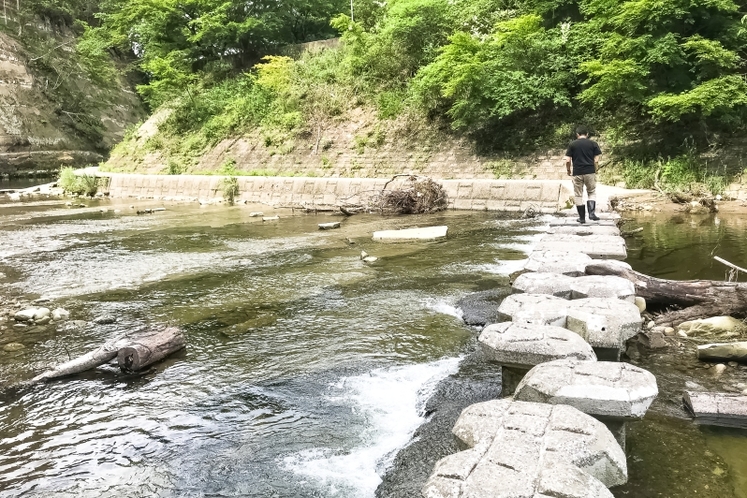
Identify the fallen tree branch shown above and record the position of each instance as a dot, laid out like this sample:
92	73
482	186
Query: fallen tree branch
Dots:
698	298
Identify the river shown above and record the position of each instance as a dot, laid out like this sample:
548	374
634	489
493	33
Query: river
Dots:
306	370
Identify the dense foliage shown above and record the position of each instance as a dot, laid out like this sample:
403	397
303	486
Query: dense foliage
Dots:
662	75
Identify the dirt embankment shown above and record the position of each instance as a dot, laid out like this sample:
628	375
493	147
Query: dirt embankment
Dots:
52	115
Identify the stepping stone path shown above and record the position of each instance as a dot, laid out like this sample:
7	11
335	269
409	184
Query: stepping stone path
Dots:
604	323
518	348
519	449
563	431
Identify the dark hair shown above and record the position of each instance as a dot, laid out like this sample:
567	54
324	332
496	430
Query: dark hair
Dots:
582	130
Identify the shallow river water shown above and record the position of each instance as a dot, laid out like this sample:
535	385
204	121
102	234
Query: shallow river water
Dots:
306	370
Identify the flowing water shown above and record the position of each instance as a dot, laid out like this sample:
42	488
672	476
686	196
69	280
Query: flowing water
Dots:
306	370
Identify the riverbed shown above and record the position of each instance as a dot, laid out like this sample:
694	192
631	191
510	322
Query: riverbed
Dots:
307	371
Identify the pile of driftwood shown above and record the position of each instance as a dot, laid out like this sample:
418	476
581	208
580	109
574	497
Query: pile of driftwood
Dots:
132	354
403	194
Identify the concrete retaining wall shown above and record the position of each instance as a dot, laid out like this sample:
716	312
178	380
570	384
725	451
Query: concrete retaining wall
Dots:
545	196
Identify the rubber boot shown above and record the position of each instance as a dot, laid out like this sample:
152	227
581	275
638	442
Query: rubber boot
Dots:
592	205
581	213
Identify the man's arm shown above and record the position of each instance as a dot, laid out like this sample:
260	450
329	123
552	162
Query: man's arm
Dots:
596	162
567	162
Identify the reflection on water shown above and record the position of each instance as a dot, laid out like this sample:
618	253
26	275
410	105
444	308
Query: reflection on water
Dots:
668	454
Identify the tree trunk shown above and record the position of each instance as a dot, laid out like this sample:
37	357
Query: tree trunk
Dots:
699	298
146	350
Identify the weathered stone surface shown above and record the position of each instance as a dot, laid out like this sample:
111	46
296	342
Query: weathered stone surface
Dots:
579	229
528	450
534	308
554	284
12	347
607	219
411	234
568	263
596	246
603	286
723	409
60	314
727	351
329	226
604	323
599	388
41	313
611	263
524	346
716	325
640	303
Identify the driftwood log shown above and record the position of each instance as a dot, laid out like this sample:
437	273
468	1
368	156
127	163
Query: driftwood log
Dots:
90	360
132	353
697	298
146	350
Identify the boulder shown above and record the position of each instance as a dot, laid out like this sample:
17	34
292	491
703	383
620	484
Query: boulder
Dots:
717	325
727	351
41	313
13	346
481	308
60	315
26	315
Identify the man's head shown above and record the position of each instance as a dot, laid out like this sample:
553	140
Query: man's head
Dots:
582	131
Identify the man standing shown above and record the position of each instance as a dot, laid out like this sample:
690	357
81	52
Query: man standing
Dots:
584	155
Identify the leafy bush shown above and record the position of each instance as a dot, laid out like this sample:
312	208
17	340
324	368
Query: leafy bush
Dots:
74	184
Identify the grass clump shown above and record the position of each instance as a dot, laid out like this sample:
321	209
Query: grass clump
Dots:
74	184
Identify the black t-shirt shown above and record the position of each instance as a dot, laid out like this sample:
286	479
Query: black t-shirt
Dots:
582	152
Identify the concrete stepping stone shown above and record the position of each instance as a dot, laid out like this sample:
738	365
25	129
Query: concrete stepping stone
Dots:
722	409
563	286
539	309
411	234
554	284
585	229
526	450
604	323
572	264
606	219
603	286
518	348
596	246
608	389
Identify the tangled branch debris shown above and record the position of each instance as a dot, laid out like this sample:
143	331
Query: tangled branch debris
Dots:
403	194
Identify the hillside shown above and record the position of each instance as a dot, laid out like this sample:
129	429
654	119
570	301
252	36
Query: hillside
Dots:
55	107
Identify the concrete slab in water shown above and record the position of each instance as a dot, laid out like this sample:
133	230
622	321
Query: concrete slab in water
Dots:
603	286
554	284
579	229
600	388
570	220
568	263
522	449
526	345
596	246
534	308
329	226
604	323
411	234
722	409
